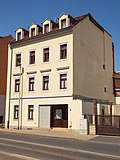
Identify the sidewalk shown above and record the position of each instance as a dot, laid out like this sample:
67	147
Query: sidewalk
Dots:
52	133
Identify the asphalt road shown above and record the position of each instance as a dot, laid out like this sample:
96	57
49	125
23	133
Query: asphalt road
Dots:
15	146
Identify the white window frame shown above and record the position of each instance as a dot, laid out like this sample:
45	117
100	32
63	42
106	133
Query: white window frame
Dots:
59	51
43	54
16	77
15	59
34	83
29	119
42	82
29	57
62	72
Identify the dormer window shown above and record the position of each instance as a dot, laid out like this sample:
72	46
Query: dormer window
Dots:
46	30
63	23
19	36
32	32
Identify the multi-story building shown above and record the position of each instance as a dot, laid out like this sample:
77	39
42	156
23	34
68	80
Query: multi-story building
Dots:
3	71
59	72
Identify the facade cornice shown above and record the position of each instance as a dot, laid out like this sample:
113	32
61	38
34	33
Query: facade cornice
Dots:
41	37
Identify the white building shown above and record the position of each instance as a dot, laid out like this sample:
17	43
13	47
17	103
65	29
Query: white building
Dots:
65	72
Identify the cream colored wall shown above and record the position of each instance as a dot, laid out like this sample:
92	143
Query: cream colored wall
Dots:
74	111
53	64
89	76
8	86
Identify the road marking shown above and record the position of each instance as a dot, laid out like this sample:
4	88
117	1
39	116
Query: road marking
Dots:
18	156
58	147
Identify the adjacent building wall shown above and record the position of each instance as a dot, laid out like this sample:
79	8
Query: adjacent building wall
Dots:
3	70
92	49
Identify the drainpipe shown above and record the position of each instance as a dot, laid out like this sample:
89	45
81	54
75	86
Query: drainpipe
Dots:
8	122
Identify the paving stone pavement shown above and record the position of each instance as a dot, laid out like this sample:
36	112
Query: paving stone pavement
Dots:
51	133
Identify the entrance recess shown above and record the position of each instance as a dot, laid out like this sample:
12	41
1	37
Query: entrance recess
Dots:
59	116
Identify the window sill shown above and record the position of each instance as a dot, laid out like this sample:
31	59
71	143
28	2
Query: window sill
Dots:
64	89
45	62
15	119
30	120
30	65
62	60
47	90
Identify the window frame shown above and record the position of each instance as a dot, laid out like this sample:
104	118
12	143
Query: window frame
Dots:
16	112
19	36
45	28
65	88
60	44
31	112
30	64
62	26
43	54
46	75
15	85
16	66
33	85
33	29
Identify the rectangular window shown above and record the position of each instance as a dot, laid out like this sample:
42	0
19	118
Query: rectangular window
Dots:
46	28
45	82
63	51
17	85
18	36
63	81
32	32
46	55
30	112
18	60
31	83
16	111
32	57
63	23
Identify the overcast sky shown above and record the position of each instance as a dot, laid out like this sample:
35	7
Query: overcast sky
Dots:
22	13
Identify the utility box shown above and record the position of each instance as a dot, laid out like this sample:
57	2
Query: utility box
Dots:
83	126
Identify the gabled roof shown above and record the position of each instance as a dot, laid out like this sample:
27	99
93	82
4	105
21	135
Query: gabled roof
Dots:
35	24
66	15
80	17
21	28
45	20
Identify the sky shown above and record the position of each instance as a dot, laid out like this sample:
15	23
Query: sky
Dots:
22	13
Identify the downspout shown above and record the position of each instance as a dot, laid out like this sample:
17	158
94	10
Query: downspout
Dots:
8	122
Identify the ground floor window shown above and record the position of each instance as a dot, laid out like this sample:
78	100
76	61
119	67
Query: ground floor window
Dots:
30	112
16	111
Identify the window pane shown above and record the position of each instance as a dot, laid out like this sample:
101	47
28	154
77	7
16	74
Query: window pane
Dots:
63	51
31	84
32	57
63	23
63	81
19	36
32	32
30	112
16	111
46	28
18	59
46	55
17	85
45	82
